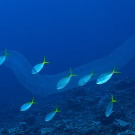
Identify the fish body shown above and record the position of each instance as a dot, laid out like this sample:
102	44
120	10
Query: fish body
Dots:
26	106
50	115
2	59
64	81
109	108
37	68
84	80
106	76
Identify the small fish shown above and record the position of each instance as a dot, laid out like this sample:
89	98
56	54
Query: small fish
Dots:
26	106
3	57
85	79
50	115
64	81
106	76
109	107
39	66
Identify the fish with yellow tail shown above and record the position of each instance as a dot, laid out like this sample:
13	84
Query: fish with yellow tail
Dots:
27	105
50	115
109	108
37	68
64	81
3	57
106	76
85	79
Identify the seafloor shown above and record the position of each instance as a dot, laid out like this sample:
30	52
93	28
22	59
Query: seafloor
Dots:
82	112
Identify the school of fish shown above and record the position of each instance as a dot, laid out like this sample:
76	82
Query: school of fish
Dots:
103	78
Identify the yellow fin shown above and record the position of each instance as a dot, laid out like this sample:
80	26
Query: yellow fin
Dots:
71	74
115	71
45	62
33	102
6	53
57	110
92	73
113	100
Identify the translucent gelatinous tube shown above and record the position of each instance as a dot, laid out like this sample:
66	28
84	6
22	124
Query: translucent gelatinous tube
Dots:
46	84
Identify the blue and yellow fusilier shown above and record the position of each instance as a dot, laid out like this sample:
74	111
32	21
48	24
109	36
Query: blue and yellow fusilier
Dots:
109	108
64	81
50	115
27	105
106	76
85	79
3	57
39	66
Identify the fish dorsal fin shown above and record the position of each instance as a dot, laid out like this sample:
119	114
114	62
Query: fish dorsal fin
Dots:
113	100
6	53
115	71
57	110
71	73
45	62
92	73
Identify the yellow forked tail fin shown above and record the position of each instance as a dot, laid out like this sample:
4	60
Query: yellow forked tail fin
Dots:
71	74
92	73
33	102
57	110
113	100
115	71
45	62
6	53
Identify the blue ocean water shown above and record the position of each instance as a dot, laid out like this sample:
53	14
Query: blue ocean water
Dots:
69	33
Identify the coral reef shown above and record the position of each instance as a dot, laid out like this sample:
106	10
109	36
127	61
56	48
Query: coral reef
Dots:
82	112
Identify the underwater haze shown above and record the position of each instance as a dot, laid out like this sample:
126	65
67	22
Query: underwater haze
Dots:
88	36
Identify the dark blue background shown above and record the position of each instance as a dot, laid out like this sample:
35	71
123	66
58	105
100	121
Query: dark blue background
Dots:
70	33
